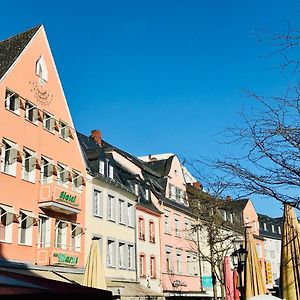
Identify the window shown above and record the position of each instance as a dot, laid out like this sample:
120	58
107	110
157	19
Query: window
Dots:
111	172
43	232
224	215
12	102
122	255
273	228
61	234
6	222
231	218
167	223
176	193
121	211
152	267
41	69
258	249
188	229
111	208
147	194
29	161
131	257
46	170
177	226
151	232
25	227
31	112
189	264
169	260
265	227
9	157
97	203
136	189
141	228
63	130
111	253
279	229
101	167
142	265
63	175
195	265
77	181
48	122
76	237
130	215
178	262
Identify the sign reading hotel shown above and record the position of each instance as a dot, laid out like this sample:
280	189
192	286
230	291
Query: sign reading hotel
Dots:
68	198
65	259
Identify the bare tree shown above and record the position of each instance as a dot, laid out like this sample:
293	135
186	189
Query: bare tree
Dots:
218	234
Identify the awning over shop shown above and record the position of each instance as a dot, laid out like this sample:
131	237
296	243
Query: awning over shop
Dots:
59	207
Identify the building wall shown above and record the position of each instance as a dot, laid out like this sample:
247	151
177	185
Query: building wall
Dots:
100	226
148	249
17	192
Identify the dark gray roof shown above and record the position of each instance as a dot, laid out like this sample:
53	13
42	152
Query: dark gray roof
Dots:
11	48
161	166
269	231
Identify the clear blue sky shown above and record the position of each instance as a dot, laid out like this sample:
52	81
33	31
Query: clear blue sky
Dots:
158	76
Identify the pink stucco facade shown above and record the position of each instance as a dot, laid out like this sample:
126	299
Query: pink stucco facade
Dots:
42	170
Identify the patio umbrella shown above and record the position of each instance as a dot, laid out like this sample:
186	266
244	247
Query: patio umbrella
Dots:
254	283
94	271
235	285
290	254
228	278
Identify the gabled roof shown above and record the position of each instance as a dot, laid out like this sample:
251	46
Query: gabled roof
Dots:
162	166
11	48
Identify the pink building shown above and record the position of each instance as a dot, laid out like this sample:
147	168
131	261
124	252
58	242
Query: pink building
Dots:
42	170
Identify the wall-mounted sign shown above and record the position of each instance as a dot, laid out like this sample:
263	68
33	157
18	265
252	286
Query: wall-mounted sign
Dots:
63	196
63	258
207	282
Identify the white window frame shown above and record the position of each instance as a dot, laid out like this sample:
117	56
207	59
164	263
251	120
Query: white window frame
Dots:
76	232
167	222
121	211
111	208
77	181
48	122
102	167
12	102
41	69
61	240
9	156
130	214
31	112
44	232
122	255
6	216
130	257
47	168
97	203
27	219
111	253
63	175
28	165
64	130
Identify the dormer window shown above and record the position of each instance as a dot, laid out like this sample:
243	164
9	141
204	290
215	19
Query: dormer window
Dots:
101	167
147	194
111	172
136	189
41	70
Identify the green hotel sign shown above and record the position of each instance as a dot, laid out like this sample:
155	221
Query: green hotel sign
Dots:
65	259
63	196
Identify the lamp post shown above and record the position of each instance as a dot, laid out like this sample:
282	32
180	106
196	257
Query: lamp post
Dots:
239	261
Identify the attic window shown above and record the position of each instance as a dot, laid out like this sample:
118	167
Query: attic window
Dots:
41	69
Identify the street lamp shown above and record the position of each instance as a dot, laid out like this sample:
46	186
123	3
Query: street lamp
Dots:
239	261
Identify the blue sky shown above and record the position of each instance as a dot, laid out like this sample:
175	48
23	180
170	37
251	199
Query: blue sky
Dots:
159	76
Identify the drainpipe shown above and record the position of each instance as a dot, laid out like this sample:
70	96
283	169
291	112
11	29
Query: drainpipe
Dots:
135	246
199	259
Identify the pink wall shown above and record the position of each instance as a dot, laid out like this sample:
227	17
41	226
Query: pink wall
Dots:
15	191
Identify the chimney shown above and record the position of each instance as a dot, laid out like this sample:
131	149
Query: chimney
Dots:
228	198
197	185
97	136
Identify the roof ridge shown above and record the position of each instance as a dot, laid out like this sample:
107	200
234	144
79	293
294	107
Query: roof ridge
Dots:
34	29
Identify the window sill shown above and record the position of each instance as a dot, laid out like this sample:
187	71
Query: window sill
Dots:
26	245
32	182
112	267
17	113
66	140
6	242
142	276
31	122
168	233
49	131
97	217
111	220
12	175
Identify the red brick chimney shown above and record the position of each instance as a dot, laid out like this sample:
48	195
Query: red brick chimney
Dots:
197	185
96	135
